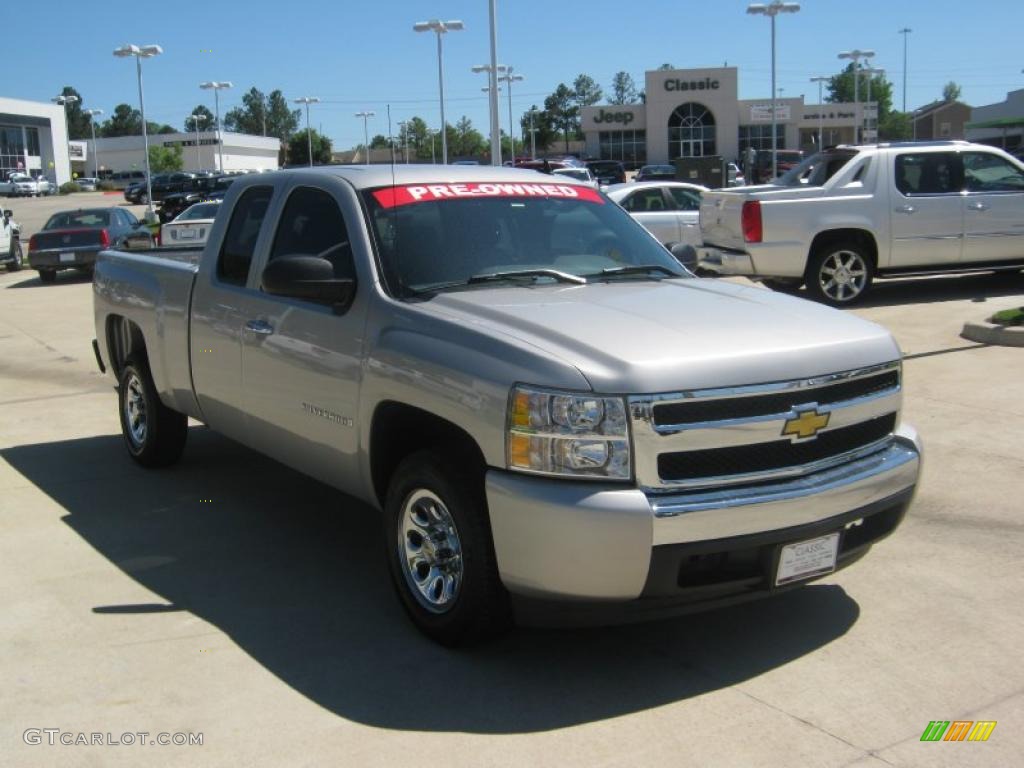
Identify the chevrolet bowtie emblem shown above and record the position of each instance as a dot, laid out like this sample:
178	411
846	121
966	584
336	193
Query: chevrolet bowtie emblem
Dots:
806	423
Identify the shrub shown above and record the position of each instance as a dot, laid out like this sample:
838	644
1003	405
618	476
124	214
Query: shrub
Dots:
106	186
68	187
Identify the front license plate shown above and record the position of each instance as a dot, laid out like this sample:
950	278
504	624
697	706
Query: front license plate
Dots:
187	234
67	257
807	559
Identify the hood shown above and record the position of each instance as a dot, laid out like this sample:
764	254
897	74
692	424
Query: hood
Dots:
645	337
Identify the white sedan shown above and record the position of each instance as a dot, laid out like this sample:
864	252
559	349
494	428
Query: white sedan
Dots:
582	175
669	210
191	226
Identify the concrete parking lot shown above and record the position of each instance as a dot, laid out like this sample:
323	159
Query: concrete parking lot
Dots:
232	597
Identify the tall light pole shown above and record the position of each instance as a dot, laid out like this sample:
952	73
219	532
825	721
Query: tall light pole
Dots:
307	100
492	92
92	127
771	10
533	137
855	56
64	101
440	28
871	73
197	119
217	87
141	52
495	124
366	115
906	36
821	112
509	78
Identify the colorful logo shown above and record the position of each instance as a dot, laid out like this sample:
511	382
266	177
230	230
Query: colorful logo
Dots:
958	730
806	424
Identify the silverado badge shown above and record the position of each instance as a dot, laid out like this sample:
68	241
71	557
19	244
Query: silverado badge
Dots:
806	423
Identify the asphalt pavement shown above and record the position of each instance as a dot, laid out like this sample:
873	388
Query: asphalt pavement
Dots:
231	597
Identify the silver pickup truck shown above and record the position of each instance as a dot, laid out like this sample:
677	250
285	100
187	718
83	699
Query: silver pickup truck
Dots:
557	421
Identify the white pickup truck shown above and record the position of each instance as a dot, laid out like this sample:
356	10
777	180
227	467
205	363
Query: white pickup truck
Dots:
851	214
10	241
549	412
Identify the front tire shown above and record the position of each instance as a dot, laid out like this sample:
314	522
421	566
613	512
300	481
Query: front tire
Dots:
16	256
440	552
153	433
840	274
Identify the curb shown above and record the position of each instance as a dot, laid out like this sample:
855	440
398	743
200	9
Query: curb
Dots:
990	333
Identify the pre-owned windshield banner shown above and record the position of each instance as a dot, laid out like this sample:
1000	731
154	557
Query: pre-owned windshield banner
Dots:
391	197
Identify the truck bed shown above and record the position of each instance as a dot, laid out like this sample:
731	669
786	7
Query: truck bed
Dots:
151	288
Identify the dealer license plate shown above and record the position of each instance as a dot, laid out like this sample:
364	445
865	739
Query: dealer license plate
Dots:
187	234
67	257
807	559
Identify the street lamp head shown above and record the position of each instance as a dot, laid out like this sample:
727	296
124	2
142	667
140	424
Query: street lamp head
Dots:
820	79
366	114
142	51
773	8
438	26
307	100
92	112
856	54
216	85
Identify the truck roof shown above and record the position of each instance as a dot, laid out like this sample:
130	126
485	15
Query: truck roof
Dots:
367	177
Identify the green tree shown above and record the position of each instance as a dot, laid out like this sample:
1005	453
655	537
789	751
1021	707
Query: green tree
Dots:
416	134
951	91
565	114
665	67
298	149
125	121
380	141
262	115
624	90
209	124
895	126
78	121
586	91
546	132
163	159
464	140
155	128
840	90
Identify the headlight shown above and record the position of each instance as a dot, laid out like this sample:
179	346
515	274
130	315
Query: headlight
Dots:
576	435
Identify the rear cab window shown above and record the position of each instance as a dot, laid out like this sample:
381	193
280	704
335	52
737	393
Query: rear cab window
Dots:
239	246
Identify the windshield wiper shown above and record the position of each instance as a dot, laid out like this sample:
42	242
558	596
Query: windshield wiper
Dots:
636	269
512	274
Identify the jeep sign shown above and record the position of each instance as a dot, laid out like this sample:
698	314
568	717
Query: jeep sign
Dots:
603	116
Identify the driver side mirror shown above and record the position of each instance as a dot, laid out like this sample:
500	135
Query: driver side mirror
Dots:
683	253
310	278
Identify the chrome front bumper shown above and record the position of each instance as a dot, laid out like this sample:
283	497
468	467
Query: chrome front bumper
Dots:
576	541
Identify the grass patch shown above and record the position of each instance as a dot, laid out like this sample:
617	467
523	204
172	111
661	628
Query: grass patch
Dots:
1009	317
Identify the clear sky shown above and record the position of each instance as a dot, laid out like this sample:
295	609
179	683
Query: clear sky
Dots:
365	55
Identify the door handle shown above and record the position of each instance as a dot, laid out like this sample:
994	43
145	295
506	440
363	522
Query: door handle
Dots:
977	206
260	327
905	209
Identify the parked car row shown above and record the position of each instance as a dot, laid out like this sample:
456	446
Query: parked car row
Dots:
24	185
72	239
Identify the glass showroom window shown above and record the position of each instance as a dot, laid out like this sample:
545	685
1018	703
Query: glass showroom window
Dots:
32	137
760	136
625	146
691	131
12	149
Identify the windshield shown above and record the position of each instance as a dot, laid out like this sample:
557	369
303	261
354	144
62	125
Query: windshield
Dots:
83	219
815	170
200	211
439	236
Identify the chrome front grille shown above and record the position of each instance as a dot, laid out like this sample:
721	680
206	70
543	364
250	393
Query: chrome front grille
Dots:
731	436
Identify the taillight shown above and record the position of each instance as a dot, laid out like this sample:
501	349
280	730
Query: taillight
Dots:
104	238
750	219
32	242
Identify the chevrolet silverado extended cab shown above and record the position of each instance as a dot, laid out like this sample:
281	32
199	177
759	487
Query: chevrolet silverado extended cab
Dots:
851	214
553	416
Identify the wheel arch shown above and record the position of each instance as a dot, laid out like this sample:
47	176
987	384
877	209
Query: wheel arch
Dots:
398	430
829	237
124	340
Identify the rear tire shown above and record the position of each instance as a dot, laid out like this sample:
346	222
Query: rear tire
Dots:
47	275
153	433
840	273
16	256
440	552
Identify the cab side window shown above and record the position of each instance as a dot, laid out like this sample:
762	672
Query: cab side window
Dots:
243	231
928	173
312	225
987	172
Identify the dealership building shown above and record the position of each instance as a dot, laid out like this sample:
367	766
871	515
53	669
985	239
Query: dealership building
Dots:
33	139
240	150
698	112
